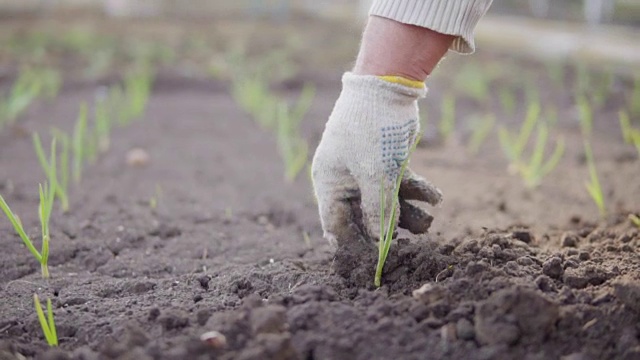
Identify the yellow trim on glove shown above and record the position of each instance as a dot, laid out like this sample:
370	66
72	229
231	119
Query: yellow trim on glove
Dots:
403	81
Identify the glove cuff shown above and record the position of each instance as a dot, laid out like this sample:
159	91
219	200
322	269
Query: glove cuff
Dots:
386	86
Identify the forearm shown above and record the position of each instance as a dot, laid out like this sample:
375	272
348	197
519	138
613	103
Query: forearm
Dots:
408	37
452	17
392	48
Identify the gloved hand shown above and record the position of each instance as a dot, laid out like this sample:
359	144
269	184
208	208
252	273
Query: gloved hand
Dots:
369	134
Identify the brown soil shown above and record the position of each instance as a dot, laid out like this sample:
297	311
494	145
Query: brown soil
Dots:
505	273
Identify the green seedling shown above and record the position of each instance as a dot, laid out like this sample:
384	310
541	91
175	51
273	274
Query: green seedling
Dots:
145	53
50	82
102	126
62	138
600	89
23	93
531	92
625	126
480	133
79	143
448	117
252	94
513	145
47	196
137	89
586	116
293	148
556	72
116	101
90	151
508	100
629	134
473	81
593	185
387	228
635	96
305	100
536	168
551	114
47	323
635	220
99	62
50	170
307	239
31	84
155	199
583	79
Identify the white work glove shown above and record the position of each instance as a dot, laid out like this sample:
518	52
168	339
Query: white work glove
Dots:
369	134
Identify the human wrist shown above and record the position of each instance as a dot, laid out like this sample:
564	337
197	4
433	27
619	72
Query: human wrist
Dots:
393	48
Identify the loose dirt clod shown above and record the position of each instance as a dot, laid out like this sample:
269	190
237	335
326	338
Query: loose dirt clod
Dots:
513	315
628	291
553	267
569	239
465	330
269	319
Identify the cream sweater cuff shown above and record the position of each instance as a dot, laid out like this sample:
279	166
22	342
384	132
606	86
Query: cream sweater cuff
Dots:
452	17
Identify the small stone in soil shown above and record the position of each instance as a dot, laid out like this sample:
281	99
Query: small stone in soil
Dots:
204	281
429	293
137	157
214	339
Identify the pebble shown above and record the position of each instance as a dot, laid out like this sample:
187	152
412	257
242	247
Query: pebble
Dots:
137	157
429	293
214	339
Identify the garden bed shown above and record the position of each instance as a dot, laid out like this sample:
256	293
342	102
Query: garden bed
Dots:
209	236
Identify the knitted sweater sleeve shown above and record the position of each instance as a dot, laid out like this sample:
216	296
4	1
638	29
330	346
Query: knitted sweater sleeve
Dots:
452	17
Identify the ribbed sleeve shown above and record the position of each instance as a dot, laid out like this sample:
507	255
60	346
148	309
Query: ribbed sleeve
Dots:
452	17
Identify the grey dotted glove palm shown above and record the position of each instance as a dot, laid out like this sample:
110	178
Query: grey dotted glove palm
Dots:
367	138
